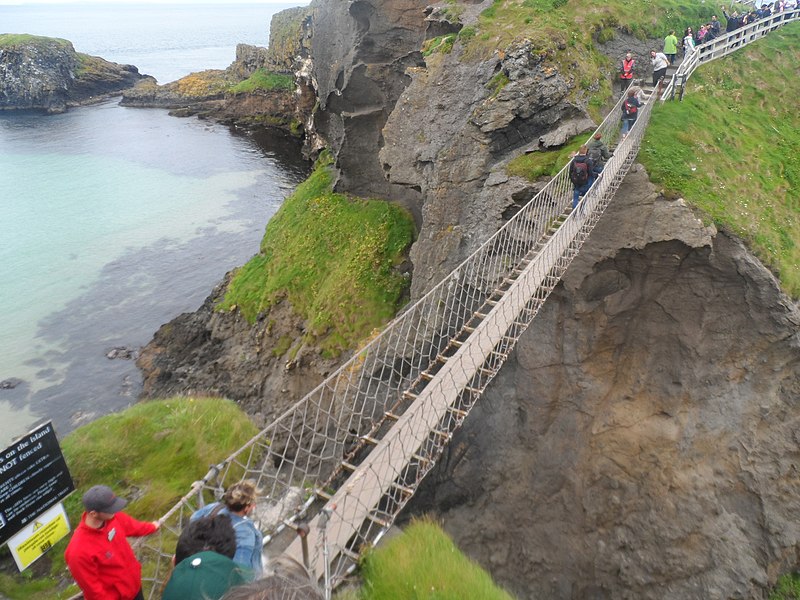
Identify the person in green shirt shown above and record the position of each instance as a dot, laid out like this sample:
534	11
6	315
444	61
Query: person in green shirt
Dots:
671	46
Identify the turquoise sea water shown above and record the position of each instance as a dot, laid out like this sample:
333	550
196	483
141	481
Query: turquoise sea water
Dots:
114	220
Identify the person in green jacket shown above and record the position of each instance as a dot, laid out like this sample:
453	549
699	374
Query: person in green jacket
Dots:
671	46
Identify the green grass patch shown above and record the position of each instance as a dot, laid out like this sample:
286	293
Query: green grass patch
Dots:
9	40
264	80
497	83
333	258
787	588
544	162
151	453
156	448
732	149
442	44
424	563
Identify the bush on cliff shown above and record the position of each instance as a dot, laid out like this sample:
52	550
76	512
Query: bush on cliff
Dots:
334	258
264	80
150	453
732	149
424	563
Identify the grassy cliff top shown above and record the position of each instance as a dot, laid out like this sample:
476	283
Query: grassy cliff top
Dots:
731	148
565	34
12	40
334	258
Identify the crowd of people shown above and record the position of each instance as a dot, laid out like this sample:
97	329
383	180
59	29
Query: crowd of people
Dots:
584	167
760	10
218	555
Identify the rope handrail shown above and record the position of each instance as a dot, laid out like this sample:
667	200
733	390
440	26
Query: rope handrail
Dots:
332	457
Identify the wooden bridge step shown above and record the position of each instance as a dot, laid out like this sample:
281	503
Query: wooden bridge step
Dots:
402	489
378	521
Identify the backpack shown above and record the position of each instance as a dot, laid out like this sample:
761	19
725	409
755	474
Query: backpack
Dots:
629	107
596	154
579	173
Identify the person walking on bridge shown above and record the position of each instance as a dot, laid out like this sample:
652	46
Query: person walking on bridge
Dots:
598	152
581	174
238	502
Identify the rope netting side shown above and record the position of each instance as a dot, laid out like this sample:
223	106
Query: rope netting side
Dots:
384	482
305	456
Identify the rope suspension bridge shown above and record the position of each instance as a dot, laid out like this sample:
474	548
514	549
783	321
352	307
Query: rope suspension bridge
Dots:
342	462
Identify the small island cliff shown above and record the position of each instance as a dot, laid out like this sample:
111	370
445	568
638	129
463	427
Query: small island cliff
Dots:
41	73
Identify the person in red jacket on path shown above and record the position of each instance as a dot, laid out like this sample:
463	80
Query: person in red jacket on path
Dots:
99	556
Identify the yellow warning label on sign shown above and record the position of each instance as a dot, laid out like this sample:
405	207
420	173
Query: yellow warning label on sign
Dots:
42	538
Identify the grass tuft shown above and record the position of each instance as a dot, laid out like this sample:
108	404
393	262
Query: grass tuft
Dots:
424	563
334	258
544	163
264	80
787	588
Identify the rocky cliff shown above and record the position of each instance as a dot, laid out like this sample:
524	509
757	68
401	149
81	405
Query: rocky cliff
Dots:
47	74
641	441
218	353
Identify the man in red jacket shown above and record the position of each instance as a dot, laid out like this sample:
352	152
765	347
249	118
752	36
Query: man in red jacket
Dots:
99	556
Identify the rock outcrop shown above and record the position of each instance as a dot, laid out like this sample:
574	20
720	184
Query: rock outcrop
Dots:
38	73
641	442
360	53
211	352
213	93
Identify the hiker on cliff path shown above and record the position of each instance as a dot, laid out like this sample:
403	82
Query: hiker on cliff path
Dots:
98	555
671	47
626	72
660	64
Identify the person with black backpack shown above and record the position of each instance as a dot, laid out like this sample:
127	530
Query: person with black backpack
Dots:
630	110
598	152
581	174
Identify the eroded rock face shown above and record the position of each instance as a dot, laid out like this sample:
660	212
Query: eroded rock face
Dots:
641	442
484	112
47	74
361	51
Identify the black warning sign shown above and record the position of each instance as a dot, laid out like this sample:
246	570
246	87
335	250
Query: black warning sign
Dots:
33	477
